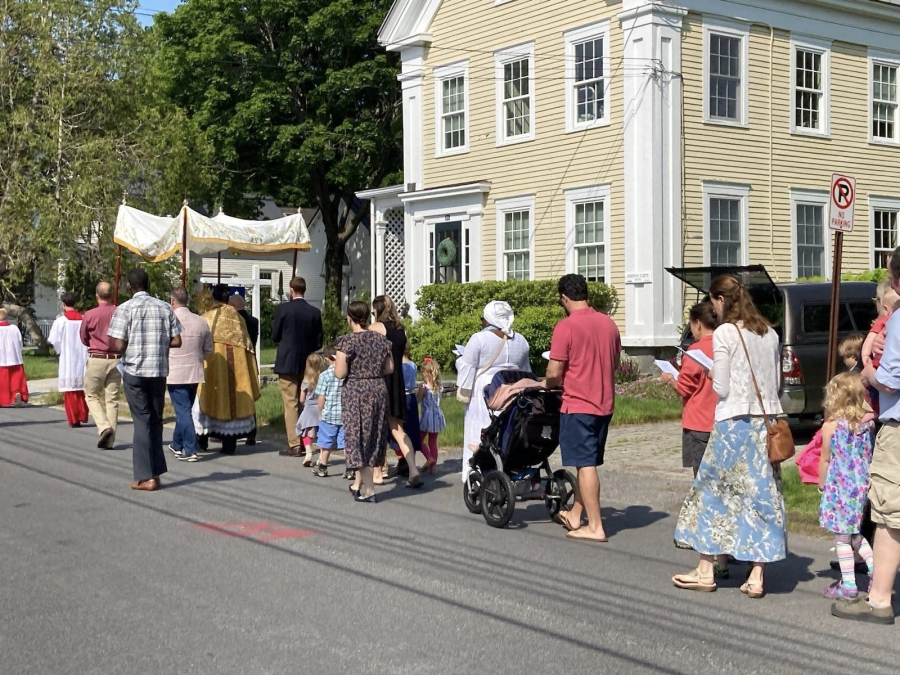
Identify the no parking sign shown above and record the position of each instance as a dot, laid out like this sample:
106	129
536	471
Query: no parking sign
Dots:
843	199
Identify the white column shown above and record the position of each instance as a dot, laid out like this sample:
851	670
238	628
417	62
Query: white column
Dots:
255	299
412	80
652	171
378	254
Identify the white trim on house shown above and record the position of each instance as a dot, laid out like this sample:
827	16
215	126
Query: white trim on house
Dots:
735	29
821	46
880	203
805	196
502	57
583	195
442	73
480	187
892	60
713	189
573	37
512	205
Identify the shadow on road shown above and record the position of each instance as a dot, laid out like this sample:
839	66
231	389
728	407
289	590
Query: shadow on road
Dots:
218	477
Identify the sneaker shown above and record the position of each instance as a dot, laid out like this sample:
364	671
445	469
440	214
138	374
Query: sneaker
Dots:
177	453
838	591
861	610
320	470
188	458
349	474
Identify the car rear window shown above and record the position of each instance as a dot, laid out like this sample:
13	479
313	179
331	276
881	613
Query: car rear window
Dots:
816	317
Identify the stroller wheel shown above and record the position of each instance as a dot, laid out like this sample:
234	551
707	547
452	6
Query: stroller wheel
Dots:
498	499
561	495
472	491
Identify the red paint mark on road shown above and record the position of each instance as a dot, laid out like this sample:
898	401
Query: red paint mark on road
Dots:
256	531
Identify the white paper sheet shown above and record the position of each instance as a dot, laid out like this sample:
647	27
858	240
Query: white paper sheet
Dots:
666	367
546	356
459	350
701	358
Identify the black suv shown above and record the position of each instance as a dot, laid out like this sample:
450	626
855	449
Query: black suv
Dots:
799	312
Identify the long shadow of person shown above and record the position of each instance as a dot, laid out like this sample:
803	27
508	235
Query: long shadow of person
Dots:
218	477
632	517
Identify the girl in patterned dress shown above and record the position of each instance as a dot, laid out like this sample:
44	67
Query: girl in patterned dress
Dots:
432	421
308	423
844	477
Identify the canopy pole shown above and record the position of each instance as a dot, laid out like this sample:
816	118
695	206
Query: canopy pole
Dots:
184	252
219	269
118	273
294	273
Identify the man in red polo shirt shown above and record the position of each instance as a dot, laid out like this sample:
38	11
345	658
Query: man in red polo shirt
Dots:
584	354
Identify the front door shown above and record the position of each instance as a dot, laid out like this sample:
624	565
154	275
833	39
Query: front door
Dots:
446	253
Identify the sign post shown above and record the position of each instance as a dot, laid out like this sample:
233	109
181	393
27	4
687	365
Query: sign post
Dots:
840	219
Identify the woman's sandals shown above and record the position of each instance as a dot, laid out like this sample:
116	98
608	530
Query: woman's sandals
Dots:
747	589
693	581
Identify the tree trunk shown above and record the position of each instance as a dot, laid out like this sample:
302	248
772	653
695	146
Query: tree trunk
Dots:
25	315
334	272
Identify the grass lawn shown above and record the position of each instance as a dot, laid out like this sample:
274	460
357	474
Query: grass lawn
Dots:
267	356
40	367
801	502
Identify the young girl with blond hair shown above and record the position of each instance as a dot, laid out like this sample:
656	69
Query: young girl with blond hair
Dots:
431	421
308	424
844	477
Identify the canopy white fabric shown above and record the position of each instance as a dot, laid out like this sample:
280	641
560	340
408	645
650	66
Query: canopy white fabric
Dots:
156	238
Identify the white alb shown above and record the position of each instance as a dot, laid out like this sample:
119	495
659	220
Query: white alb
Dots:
731	372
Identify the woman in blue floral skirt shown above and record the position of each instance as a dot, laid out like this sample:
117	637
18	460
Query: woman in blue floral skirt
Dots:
735	506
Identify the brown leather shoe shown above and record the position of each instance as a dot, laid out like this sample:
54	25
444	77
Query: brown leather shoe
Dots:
290	452
107	439
146	485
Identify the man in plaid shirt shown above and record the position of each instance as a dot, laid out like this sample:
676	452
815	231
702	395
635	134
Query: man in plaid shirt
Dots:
143	329
331	429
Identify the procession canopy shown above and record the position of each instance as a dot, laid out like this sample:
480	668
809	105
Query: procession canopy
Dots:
156	238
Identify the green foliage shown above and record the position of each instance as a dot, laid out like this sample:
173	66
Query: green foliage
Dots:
440	301
427	338
334	321
536	324
878	275
266	320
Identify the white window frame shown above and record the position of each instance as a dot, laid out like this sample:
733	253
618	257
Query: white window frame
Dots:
585	195
823	47
728	29
508	205
573	37
501	58
449	72
879	203
814	198
713	189
891	59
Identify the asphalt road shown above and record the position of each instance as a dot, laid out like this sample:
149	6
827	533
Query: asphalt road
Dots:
98	579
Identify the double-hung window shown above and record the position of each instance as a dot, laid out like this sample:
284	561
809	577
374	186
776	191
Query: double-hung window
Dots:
587	76
885	103
885	213
725	77
725	227
515	240
808	212
514	68
587	232
451	93
810	87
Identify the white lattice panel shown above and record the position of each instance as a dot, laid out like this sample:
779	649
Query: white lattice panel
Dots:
394	257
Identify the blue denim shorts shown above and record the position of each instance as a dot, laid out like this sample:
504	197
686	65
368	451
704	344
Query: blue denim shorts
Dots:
582	439
330	436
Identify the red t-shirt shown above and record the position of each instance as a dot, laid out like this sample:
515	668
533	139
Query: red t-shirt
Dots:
696	390
879	327
588	343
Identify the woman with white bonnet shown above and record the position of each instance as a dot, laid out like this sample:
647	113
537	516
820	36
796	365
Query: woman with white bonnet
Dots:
496	347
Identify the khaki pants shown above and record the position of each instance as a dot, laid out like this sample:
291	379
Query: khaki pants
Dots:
289	385
101	391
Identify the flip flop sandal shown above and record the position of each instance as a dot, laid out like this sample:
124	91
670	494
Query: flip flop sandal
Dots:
695	583
558	518
747	590
585	540
415	483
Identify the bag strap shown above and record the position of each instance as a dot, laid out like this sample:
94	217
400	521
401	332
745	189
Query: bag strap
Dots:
483	370
752	374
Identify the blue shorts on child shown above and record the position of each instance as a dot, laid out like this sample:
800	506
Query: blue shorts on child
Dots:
330	436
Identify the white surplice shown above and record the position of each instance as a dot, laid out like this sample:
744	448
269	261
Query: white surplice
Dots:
10	346
478	352
73	355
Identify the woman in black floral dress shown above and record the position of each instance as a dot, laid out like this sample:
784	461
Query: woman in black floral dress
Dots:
363	359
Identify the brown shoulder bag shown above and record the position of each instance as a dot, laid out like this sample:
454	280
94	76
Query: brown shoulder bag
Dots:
779	439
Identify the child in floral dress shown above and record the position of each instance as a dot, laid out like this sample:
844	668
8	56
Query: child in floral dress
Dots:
432	421
844	477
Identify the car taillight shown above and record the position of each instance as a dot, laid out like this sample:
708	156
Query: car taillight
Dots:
790	367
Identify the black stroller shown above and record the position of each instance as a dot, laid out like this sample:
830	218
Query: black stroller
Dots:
515	447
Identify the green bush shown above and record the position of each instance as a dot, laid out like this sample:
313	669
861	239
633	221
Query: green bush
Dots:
439	302
427	338
266	319
536	324
868	275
